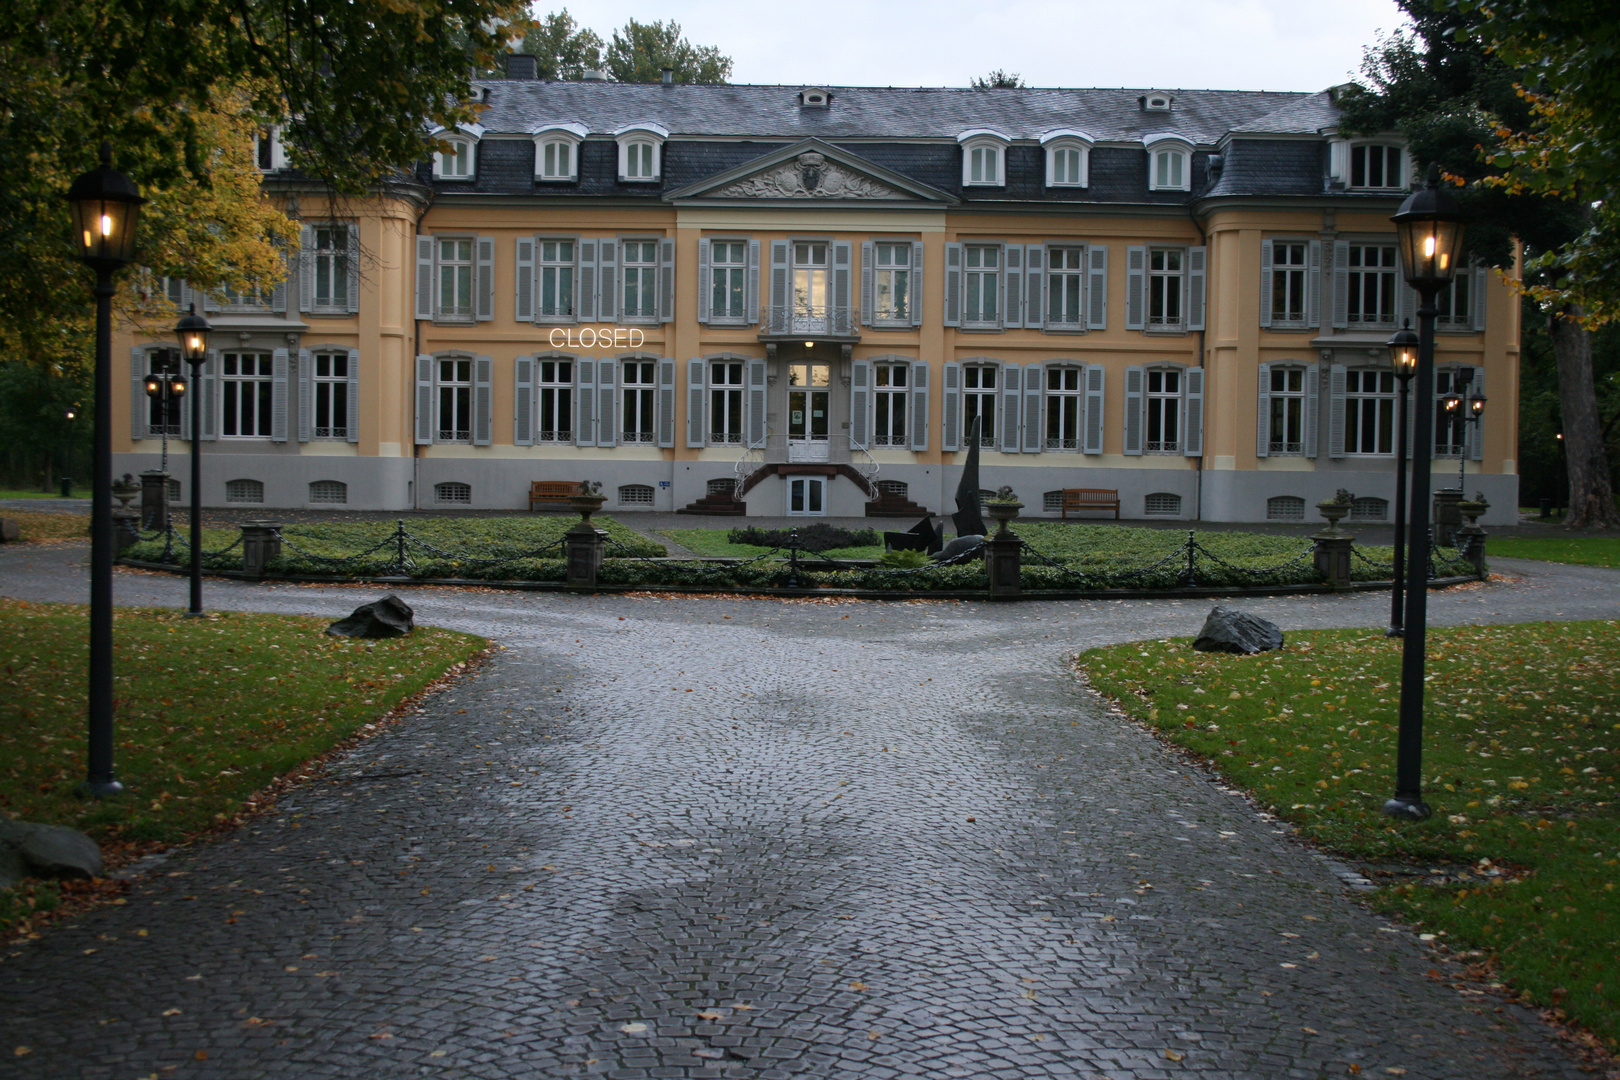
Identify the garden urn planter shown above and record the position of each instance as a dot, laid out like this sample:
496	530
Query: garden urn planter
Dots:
586	505
1001	513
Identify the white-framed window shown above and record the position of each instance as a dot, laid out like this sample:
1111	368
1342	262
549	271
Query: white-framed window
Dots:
810	277
891	383
891	282
1285	508
640	273
269	154
1068	161
1289	267
1065	286
1369	411
245	395
1166	284
554	401
979	388
455	271
981	281
556	279
1287	418
641	148
330	273
456	160
335	492
1451	429
1372	282
1376	166
452	491
556	153
330	383
244	491
174	289
1169	163
806	496
1161	504
725	402
455	400
984	156
1163	404
640	161
251	298
636	495
163	412
1455	302
728	281
1065	393
638	393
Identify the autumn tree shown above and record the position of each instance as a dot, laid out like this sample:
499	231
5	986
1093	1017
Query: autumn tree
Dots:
562	48
640	51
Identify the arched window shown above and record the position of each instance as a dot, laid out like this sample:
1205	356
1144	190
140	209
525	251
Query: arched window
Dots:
984	155
641	149
556	152
1369	508
328	491
1162	504
452	492
1285	508
458	160
244	491
1068	158
1169	162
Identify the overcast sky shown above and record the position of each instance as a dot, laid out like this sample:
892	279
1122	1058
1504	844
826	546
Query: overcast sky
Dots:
1164	44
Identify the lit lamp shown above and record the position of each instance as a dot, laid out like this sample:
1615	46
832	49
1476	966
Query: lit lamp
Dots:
1429	225
193	331
106	208
1403	358
168	388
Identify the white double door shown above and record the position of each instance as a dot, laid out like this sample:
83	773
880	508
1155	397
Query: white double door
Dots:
809	401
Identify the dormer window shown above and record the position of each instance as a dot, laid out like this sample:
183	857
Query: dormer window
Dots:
458	157
268	152
1068	158
1156	101
1169	162
984	158
815	97
1376	165
556	152
640	152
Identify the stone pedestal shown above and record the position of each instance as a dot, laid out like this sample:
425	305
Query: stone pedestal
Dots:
261	542
126	526
1471	546
1003	562
154	500
1333	557
1447	517
585	545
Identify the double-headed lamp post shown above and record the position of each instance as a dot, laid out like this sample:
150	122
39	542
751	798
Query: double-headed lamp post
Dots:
106	209
1472	411
167	387
193	331
1429	225
1403	357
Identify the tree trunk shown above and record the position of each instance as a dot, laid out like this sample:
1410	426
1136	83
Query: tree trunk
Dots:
1591	495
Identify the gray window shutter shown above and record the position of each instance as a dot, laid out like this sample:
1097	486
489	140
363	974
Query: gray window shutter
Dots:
860	404
523	401
486	279
1034	285
523	280
607	283
354	395
1011	408
1266	285
751	292
1313	406
705	281
138	401
278	394
1476	432
1133	411
777	321
306	269
584	402
754	400
916	282
1480	280
424	277
354	268
866	283
1193	442
1097	288
1197	286
1313	286
842	322
607	415
1336	394
1096	383
186	404
278	294
1135	288
919	405
953	286
695	371
951	416
483	400
1341	284
306	395
424	400
210	401
666	281
1034	386
585	271
1012	285
1262	416
666	401
210	301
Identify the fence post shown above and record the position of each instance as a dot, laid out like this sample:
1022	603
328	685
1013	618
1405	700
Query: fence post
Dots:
155	500
1447	515
401	565
1003	563
1192	556
261	542
585	546
1332	556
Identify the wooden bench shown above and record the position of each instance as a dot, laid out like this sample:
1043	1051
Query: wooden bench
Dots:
551	492
1078	499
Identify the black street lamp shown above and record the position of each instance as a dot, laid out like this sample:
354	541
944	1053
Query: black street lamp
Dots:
1461	411
1430	229
106	209
193	331
1403	357
167	387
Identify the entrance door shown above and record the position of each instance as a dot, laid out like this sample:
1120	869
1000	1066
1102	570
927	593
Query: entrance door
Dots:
808	400
806	496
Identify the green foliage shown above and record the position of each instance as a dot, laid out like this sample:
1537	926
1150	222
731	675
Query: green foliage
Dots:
38	443
717	542
562	48
1520	767
904	560
640	51
998	80
817	537
1579	550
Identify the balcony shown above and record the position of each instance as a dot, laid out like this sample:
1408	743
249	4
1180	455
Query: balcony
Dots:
800	322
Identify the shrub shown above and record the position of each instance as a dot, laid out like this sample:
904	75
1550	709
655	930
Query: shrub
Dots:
817	537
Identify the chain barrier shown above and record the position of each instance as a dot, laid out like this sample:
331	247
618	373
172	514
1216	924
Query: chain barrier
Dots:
1376	565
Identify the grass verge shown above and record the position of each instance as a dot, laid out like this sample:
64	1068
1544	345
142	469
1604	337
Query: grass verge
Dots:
209	712
1580	550
50	526
1522	749
78	493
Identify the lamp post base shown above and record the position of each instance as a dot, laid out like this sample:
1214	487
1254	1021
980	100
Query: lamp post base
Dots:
100	789
1413	809
1394	631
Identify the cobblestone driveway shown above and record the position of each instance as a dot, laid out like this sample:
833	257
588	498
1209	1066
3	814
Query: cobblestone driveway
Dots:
718	838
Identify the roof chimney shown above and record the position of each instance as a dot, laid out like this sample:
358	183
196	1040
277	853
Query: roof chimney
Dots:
522	66
669	76
593	75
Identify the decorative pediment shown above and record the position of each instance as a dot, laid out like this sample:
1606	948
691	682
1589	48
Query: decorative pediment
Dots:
811	171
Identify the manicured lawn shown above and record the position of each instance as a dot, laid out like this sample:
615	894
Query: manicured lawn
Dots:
1582	550
208	711
1522	750
78	493
50	526
714	542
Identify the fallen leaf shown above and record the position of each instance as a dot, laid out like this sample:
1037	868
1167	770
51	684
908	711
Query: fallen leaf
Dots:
22	1051
438	1053
201	1055
741	1006
633	1029
710	1015
857	986
1395	1070
1355	1070
381	1035
1308	1031
873	1035
171	1012
1174	1055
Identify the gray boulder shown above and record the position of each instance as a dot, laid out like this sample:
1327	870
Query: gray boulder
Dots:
385	618
47	851
962	545
1237	632
10	530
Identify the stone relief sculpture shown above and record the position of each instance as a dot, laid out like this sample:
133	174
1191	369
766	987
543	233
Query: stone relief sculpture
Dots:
809	176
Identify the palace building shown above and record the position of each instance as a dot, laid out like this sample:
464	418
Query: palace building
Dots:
797	300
